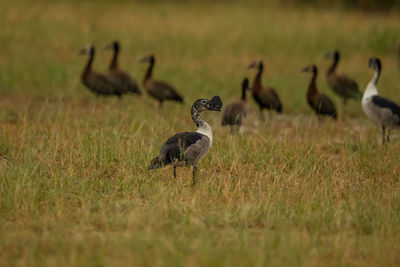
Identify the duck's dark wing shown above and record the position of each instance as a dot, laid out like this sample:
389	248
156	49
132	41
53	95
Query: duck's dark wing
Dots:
234	113
100	84
269	99
174	149
386	103
324	105
125	81
344	86
163	91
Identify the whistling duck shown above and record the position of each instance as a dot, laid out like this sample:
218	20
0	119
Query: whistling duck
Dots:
188	148
341	84
379	109
121	78
158	89
266	97
96	82
235	111
320	103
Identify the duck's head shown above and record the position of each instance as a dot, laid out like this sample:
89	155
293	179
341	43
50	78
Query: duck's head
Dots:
214	104
256	65
148	59
375	63
89	49
310	68
332	54
113	45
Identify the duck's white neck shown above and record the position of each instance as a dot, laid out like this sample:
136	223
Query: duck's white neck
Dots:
372	88
375	79
202	126
206	130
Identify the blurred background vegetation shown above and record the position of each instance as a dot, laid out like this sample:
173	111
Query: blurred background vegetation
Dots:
367	5
357	4
289	192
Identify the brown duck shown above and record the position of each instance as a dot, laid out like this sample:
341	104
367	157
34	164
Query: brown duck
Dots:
320	103
235	111
341	84
96	82
159	90
265	97
122	79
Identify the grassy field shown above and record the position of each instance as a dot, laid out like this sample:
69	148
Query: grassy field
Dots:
289	191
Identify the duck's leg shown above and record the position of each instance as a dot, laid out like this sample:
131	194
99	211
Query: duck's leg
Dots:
344	102
241	129
236	129
270	115
194	175
160	105
383	134
388	135
174	171
233	129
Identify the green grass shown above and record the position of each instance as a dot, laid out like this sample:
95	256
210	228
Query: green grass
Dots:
76	191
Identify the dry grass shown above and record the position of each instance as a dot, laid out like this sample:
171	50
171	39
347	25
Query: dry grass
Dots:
74	189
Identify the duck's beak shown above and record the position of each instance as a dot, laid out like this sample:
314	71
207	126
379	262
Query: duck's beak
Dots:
252	65
328	55
305	69
215	104
143	60
371	63
109	46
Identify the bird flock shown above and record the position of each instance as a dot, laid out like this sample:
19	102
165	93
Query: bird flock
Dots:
188	148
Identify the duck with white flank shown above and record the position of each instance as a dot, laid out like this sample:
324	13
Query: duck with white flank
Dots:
235	111
159	90
341	84
320	103
188	148
122	79
96	82
266	97
379	109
